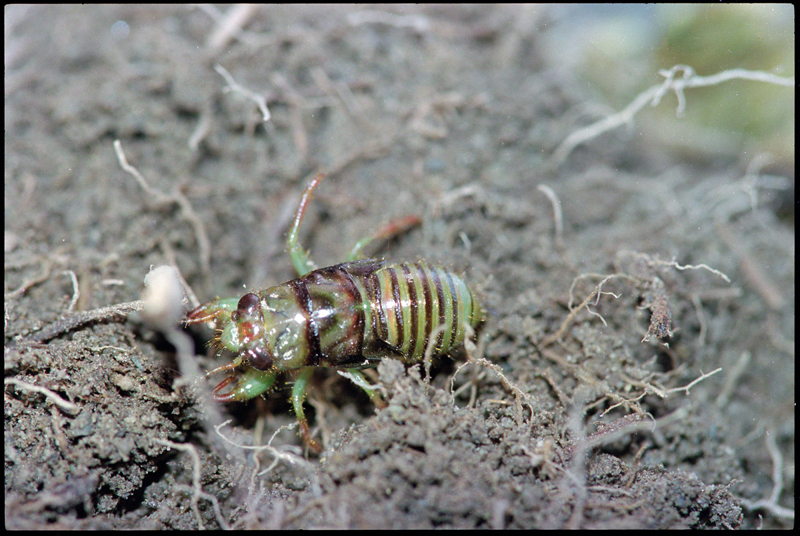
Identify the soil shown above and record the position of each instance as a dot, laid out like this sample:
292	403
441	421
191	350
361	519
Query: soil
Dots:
587	420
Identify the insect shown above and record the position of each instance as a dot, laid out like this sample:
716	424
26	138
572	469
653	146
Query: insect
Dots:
346	316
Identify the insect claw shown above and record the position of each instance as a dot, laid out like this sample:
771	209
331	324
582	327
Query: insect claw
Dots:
234	395
245	385
230	396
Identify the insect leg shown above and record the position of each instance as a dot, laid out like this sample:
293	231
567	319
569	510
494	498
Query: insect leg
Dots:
299	256
357	377
298	395
390	230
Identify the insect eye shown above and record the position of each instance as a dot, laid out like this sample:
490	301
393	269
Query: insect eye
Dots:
258	358
247	305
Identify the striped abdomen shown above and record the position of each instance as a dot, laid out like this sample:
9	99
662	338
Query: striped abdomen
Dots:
357	312
409	302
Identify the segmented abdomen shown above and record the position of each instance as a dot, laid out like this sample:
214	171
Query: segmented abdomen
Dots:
356	311
409	302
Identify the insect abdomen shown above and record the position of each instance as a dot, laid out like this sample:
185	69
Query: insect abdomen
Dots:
353	313
411	303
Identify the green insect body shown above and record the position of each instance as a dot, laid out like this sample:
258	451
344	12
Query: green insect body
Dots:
347	316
